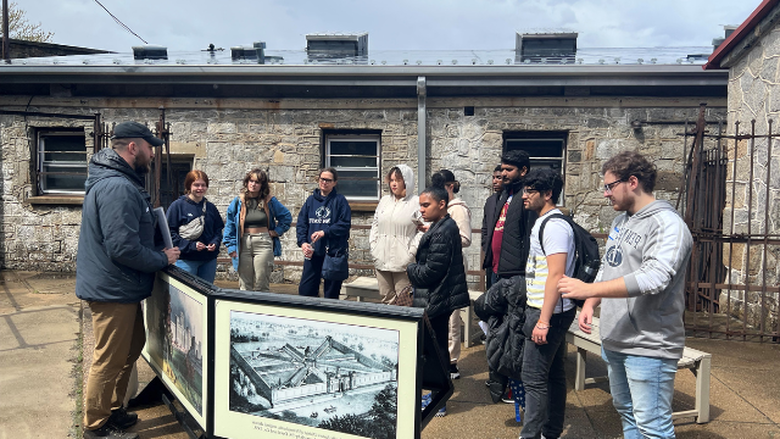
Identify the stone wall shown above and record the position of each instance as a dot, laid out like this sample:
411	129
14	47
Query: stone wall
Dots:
754	95
229	137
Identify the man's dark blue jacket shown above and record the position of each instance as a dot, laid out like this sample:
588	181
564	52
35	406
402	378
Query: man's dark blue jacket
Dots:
117	258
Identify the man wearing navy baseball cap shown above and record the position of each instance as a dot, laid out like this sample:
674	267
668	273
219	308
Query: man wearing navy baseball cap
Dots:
115	270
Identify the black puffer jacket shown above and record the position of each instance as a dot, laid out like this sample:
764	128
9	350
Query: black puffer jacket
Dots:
517	231
503	308
438	276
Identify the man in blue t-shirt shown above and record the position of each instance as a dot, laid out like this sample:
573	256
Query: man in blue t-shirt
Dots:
547	315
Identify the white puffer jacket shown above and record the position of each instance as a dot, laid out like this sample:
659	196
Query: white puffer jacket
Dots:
394	236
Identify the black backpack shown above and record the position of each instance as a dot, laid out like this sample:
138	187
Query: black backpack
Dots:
586	258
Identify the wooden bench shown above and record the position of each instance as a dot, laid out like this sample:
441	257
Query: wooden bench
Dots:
696	361
361	288
365	287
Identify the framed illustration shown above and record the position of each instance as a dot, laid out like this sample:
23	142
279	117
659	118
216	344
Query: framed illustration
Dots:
284	370
176	343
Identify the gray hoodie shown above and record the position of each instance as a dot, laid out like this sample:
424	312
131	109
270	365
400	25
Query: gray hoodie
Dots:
650	250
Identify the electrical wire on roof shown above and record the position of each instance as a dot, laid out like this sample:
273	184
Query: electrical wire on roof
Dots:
119	22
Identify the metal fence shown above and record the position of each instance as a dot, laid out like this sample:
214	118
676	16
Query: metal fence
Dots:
729	199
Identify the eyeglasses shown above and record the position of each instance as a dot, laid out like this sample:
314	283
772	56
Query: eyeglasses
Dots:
527	191
326	180
609	186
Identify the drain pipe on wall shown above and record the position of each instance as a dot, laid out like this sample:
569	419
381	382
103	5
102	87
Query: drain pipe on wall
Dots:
422	125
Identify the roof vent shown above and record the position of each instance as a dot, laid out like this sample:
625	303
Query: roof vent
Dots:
150	52
727	31
337	45
256	53
552	47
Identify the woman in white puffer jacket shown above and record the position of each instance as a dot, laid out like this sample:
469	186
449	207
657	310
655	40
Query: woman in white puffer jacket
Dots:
394	236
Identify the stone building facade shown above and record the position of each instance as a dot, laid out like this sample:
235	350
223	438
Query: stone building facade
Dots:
751	56
226	138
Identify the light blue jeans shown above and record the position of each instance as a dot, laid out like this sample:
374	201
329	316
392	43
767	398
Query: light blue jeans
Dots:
206	270
642	390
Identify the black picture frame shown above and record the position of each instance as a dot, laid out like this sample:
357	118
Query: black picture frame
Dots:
292	366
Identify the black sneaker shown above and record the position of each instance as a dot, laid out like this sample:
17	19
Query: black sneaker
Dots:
506	399
108	432
120	419
454	372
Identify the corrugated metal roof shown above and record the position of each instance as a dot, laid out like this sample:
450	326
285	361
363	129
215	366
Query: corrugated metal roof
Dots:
584	56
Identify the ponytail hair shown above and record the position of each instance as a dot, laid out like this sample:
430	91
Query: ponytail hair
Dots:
444	177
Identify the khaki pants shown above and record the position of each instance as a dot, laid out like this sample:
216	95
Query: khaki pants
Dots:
454	336
391	283
256	262
119	340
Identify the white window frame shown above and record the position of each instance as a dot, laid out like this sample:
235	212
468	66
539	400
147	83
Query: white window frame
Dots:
367	138
44	166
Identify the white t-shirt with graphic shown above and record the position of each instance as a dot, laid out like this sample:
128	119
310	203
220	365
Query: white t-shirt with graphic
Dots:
558	238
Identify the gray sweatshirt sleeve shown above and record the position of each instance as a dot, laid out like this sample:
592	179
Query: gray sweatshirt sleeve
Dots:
668	245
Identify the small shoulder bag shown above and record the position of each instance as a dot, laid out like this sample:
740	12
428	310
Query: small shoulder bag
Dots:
193	229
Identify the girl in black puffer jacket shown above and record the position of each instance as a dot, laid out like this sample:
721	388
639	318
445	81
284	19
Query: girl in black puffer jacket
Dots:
503	308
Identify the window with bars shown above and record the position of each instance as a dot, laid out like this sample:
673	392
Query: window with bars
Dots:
356	158
545	148
61	164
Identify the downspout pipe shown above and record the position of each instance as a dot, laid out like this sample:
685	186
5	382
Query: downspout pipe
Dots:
422	125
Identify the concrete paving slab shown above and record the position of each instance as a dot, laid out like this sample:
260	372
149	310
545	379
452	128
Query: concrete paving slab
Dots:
36	369
727	430
38	352
757	389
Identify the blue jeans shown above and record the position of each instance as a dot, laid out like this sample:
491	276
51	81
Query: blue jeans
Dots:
544	376
205	270
642	390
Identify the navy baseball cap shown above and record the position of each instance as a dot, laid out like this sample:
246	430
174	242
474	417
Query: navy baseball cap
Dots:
135	130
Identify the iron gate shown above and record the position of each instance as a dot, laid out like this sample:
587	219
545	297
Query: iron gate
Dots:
730	191
103	132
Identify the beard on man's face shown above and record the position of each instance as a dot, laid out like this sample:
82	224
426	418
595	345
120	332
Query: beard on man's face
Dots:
142	168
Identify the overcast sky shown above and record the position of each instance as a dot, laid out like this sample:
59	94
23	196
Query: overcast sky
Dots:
391	24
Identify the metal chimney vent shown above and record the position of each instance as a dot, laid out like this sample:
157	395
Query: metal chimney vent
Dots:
254	53
552	48
727	31
337	45
150	52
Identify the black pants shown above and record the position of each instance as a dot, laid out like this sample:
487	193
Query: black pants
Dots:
310	280
544	376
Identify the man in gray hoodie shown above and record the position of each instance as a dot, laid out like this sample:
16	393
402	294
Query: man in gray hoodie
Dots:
641	289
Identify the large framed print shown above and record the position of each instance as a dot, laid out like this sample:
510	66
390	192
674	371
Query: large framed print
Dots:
176	343
283	370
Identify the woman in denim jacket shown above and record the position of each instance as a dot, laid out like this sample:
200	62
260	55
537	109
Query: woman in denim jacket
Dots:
255	221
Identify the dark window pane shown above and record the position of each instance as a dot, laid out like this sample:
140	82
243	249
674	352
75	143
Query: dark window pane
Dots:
64	143
357	188
64	162
353	162
66	178
537	147
50	156
64	183
358	175
351	147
